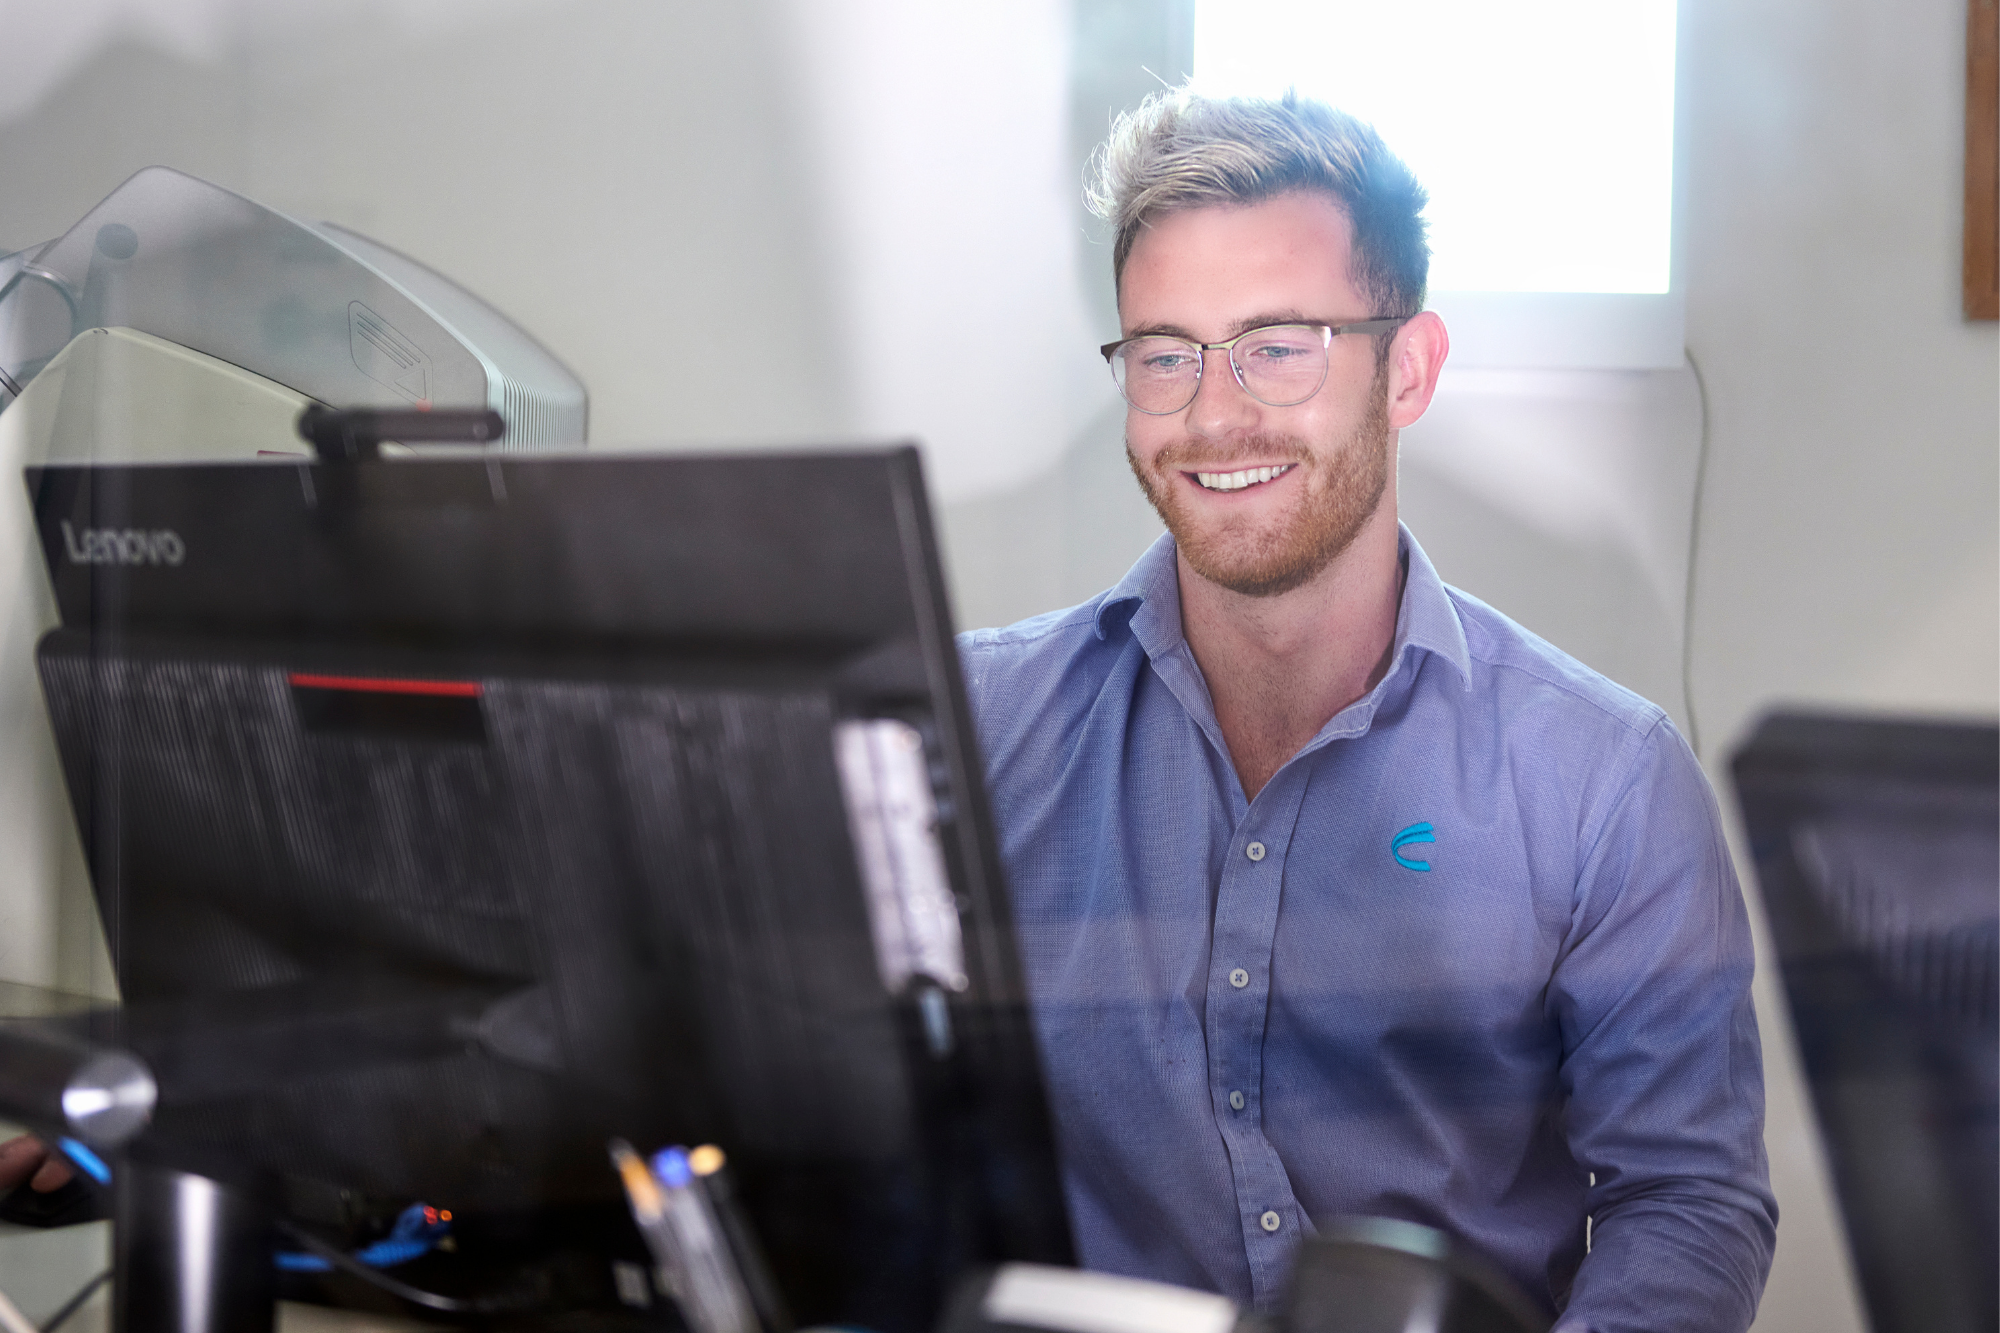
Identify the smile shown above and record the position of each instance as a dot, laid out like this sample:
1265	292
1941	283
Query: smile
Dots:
1236	481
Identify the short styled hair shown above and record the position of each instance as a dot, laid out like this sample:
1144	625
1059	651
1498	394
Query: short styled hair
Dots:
1180	150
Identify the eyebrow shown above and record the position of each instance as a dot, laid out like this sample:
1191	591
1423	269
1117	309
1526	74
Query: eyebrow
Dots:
1241	326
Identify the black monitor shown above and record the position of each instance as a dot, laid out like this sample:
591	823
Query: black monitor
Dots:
448	817
1877	845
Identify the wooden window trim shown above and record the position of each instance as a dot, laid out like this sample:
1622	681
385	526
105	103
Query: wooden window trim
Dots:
1982	160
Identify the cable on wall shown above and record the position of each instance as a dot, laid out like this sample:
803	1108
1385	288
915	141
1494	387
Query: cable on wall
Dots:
1694	551
75	1303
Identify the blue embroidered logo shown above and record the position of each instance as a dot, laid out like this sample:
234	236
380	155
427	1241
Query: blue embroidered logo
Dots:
1414	833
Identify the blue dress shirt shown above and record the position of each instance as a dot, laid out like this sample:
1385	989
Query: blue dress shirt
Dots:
1477	941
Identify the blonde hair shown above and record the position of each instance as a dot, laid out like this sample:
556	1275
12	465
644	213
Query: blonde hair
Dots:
1180	150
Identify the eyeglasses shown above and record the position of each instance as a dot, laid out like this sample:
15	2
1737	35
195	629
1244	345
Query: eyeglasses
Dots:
1279	365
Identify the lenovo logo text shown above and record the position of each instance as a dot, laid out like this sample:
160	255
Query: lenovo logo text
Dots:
123	546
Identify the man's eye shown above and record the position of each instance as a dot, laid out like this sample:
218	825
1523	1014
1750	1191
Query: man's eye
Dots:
1277	352
1165	363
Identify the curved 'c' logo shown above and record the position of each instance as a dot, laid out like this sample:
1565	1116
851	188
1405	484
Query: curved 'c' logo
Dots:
1414	833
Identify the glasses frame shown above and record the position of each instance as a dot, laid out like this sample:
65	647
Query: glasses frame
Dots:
1328	332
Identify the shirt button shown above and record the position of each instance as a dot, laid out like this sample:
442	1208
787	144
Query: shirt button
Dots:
1255	851
1235	1101
1239	978
1270	1221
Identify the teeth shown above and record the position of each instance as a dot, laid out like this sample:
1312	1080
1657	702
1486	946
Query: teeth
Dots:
1236	481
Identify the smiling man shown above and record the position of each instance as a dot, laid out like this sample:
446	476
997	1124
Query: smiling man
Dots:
1339	892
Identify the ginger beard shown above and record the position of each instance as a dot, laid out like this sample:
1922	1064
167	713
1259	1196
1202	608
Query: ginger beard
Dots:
1259	556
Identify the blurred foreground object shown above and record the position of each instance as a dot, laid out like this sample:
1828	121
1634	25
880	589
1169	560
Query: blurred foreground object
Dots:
1069	1300
66	1086
1878	852
1358	1275
1375	1275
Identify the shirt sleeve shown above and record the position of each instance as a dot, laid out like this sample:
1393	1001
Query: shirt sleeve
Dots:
1662	1070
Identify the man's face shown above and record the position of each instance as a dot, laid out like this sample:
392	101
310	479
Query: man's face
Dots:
1206	275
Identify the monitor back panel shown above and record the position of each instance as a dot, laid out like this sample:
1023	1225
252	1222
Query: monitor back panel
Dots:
1878	854
484	821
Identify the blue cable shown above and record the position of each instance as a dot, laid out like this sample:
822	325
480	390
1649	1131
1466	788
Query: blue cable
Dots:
417	1231
91	1164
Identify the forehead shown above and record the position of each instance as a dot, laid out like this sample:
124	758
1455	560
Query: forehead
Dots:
1204	270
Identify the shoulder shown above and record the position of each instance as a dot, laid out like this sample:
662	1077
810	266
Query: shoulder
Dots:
1029	669
1048	636
1571	735
1512	666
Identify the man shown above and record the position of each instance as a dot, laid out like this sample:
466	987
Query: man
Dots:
1339	892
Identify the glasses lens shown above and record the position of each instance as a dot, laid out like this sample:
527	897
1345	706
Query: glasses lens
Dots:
1157	375
1283	364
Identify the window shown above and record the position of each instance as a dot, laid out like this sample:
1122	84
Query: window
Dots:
1544	132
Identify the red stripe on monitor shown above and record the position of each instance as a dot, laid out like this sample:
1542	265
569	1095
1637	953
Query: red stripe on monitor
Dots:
454	689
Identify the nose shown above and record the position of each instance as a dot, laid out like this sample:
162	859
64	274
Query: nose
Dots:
1221	404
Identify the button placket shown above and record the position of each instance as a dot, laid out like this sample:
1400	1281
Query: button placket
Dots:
1245	921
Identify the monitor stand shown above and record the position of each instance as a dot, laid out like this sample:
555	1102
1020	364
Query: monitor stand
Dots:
190	1255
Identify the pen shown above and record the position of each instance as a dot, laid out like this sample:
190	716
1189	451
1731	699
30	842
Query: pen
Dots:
649	1210
712	1176
712	1294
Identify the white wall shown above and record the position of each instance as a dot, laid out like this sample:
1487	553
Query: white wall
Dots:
628	179
1850	531
650	187
939	168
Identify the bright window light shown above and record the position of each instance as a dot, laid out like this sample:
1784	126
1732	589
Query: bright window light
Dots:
1543	129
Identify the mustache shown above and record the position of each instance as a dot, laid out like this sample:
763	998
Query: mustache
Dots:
1261	449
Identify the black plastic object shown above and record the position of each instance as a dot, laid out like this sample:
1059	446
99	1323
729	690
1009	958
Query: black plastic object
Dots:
1877	844
1375	1275
189	1255
348	436
591	876
718	1183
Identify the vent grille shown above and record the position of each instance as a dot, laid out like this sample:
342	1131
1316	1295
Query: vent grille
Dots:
538	421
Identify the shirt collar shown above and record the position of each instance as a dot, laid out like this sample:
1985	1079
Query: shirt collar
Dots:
1428	619
1148	598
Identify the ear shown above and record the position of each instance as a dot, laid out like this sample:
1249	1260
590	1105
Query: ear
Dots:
1416	355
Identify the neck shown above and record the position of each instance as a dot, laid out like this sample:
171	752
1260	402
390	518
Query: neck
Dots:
1280	667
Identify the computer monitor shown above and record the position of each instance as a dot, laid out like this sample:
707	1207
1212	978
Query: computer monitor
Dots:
449	817
1877	845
